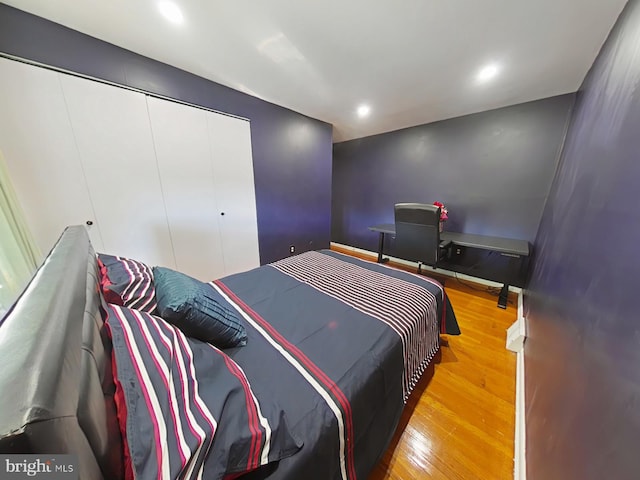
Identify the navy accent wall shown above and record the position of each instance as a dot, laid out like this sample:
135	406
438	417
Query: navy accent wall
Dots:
291	152
582	356
493	171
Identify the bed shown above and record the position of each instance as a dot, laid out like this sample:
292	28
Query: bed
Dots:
331	349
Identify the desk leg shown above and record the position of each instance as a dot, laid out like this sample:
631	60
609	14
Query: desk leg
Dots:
503	298
380	248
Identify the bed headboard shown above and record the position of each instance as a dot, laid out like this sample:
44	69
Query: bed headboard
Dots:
56	387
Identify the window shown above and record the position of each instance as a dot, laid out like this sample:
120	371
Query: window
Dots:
19	255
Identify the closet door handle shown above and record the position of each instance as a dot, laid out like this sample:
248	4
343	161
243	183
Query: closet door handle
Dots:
89	222
222	213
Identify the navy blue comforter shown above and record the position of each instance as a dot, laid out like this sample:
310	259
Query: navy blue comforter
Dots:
335	346
339	343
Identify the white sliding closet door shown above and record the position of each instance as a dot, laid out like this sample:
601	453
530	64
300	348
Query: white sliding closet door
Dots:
41	154
186	172
235	191
113	134
162	182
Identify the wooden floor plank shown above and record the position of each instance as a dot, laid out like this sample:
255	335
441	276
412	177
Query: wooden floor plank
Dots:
459	424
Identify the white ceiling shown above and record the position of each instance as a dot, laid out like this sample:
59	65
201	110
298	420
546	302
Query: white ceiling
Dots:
412	61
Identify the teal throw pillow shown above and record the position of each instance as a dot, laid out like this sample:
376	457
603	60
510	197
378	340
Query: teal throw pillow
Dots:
197	309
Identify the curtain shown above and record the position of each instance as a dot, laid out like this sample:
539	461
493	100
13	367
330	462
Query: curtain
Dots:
19	255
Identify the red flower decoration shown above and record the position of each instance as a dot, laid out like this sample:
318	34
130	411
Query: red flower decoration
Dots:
444	213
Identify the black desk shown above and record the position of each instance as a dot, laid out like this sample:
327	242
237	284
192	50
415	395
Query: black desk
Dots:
508	247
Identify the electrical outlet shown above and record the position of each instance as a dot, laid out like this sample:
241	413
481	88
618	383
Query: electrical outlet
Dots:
292	249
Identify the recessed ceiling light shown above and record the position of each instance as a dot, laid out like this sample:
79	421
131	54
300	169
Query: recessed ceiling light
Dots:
171	11
488	72
363	110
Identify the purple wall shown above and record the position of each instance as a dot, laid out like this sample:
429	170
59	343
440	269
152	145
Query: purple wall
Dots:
493	171
291	152
582	354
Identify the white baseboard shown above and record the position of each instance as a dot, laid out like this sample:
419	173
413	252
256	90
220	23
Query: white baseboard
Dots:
520	459
440	271
520	443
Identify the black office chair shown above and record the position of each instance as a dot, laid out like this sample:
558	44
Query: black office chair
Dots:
418	234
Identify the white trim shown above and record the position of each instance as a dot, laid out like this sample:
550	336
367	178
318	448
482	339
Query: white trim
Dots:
520	459
520	443
27	61
440	271
520	305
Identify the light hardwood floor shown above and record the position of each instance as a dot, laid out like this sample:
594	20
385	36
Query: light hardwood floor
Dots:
459	423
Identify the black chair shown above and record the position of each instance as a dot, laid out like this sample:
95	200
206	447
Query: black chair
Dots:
418	234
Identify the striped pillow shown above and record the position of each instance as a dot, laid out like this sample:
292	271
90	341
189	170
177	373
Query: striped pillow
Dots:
127	282
180	395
